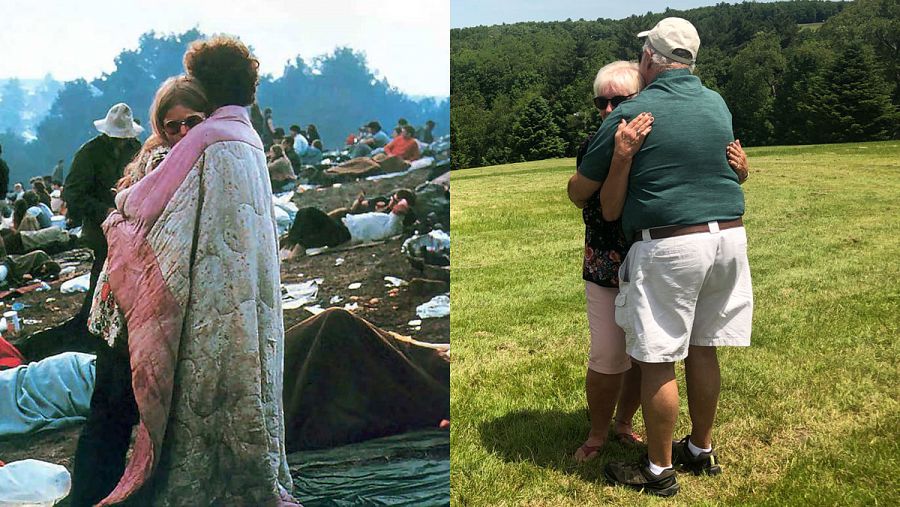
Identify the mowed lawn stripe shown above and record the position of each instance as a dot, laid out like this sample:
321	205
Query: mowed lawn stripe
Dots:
808	414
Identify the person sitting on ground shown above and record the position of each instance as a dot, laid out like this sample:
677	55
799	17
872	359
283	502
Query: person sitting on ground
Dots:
20	214
301	144
18	191
16	269
404	146
425	134
376	138
52	240
287	146
402	122
281	172
40	188
313	155
312	134
313	228
38	209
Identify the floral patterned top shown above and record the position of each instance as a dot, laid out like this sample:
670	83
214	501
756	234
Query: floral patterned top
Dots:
105	319
604	242
604	245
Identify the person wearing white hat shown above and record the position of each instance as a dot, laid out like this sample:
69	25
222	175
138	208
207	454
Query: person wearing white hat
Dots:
684	287
96	168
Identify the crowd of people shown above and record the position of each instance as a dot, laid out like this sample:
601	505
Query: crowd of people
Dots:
297	156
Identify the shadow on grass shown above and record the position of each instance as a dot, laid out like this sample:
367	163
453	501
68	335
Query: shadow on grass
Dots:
548	439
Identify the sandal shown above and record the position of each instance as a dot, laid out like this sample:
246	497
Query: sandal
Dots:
587	453
629	438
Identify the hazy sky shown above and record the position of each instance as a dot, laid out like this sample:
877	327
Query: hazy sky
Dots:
493	12
406	41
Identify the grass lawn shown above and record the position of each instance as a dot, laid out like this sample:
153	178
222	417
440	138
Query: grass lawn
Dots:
808	415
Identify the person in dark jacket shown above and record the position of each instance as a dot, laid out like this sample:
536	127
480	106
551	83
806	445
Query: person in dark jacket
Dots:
96	168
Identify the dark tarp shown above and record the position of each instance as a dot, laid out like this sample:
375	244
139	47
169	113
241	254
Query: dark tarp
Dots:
412	469
346	381
70	336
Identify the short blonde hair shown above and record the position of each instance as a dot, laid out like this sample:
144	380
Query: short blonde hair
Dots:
622	73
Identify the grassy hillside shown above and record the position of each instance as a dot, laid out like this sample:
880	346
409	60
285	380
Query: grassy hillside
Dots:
808	415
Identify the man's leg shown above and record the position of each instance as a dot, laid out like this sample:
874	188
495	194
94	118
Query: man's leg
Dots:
659	399
105	437
703	383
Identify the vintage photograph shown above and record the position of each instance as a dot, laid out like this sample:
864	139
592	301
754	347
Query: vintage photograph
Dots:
225	254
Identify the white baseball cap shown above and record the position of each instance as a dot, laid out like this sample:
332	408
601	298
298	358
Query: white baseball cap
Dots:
671	34
119	122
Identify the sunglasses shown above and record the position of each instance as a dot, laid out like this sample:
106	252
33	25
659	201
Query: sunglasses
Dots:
173	127
601	102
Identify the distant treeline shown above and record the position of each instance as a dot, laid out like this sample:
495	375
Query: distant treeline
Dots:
791	73
337	92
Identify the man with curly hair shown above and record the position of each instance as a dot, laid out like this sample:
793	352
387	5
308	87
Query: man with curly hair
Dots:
194	265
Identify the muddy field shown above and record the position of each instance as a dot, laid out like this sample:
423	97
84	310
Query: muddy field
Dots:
391	308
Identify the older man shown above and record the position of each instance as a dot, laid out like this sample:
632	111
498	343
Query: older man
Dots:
685	285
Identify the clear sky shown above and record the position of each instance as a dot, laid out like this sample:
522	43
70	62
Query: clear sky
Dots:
493	12
405	41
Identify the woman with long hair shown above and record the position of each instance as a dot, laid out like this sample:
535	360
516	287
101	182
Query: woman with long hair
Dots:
193	263
179	105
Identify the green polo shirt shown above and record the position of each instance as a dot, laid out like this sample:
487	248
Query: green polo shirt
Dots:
681	175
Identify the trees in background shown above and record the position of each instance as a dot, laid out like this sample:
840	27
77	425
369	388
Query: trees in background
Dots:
791	72
337	92
12	106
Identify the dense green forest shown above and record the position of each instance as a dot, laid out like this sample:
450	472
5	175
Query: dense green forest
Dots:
791	72
337	92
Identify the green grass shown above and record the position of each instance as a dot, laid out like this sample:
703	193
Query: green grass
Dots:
807	415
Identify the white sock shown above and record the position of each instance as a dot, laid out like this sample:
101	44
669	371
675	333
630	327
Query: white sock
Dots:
656	469
696	450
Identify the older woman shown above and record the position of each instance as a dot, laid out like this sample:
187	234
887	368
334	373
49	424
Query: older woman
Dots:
610	374
611	377
194	265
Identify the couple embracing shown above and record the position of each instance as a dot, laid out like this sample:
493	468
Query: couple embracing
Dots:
189	305
665	163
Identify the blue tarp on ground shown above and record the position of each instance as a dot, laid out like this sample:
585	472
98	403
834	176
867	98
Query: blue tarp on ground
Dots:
412	469
49	394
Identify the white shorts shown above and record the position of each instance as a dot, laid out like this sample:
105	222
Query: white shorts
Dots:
607	353
685	290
